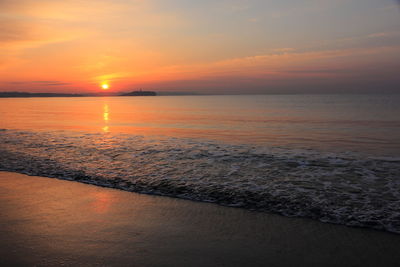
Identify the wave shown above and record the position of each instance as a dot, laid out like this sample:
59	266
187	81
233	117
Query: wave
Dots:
343	188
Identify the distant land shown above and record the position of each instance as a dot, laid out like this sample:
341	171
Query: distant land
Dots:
144	93
25	94
139	93
104	93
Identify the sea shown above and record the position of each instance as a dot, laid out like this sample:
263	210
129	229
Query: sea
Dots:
333	158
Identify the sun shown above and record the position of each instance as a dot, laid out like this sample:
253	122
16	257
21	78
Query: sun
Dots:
105	86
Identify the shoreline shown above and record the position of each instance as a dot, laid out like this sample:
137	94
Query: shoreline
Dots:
126	186
47	221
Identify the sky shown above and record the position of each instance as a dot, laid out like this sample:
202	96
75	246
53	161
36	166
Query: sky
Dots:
208	46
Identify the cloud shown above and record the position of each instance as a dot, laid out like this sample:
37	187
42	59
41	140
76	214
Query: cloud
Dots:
285	68
51	43
18	34
41	83
13	30
384	34
51	83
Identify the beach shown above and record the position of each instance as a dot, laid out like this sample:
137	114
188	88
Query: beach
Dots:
199	133
49	222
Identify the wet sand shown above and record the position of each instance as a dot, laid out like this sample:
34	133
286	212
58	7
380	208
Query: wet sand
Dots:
50	222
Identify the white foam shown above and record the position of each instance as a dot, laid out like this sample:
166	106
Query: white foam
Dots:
340	188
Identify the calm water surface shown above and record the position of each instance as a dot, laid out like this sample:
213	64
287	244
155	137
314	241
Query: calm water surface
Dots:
362	123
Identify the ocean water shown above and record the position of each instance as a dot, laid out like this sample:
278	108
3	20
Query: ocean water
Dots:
335	158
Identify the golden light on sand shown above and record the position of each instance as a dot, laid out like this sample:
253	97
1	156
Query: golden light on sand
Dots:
105	86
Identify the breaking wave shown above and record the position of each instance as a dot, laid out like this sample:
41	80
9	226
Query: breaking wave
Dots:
344	188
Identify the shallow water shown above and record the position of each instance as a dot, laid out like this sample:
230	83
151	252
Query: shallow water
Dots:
323	157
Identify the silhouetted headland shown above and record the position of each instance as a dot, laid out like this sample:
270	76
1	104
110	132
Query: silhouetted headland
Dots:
25	94
139	93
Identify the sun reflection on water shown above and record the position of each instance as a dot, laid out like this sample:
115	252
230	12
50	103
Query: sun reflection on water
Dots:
106	113
106	118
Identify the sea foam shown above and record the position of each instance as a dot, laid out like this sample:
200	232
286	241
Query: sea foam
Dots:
344	188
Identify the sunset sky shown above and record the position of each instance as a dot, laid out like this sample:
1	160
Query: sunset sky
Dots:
209	46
